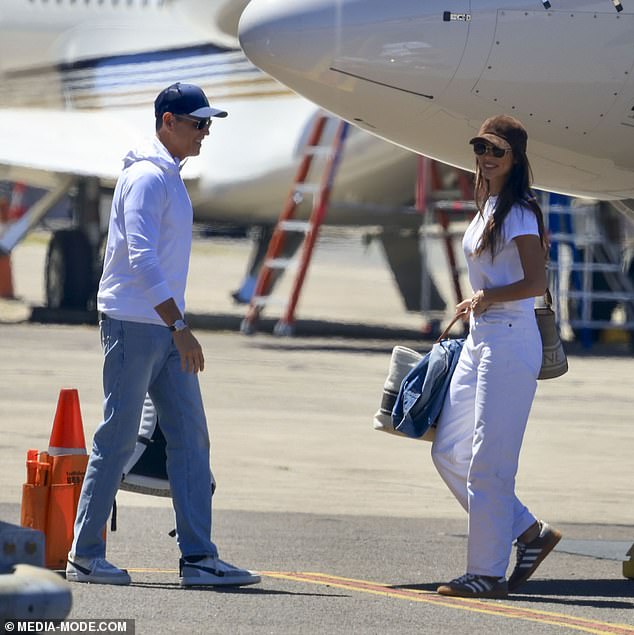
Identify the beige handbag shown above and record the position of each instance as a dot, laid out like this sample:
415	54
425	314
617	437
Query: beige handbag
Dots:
554	361
402	361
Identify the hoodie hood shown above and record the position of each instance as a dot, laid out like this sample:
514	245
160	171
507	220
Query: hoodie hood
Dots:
154	151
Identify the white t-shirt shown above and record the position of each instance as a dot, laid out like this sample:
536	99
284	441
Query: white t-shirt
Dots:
486	272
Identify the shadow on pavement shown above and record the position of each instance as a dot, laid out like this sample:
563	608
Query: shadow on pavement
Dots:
173	586
568	592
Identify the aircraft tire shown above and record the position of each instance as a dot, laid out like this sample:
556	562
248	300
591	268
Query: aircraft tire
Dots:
69	270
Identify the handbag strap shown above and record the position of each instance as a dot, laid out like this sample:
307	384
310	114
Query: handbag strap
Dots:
456	317
548	299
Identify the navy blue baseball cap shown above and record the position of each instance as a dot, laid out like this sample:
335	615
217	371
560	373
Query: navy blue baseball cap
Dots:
185	99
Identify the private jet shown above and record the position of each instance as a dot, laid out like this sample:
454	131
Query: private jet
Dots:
78	82
424	75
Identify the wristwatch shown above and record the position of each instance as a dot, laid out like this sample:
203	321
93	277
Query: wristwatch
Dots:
179	325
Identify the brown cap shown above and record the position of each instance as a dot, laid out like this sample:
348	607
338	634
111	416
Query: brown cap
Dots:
505	132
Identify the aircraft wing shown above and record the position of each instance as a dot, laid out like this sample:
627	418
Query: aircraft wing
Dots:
220	18
39	145
228	15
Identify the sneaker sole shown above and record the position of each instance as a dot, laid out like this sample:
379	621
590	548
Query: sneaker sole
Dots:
555	538
491	595
189	582
70	577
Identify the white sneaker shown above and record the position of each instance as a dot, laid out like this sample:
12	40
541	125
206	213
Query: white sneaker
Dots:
212	571
97	571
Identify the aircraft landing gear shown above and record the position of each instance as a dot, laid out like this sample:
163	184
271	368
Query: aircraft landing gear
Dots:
69	279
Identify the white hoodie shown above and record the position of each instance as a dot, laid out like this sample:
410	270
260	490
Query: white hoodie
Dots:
149	237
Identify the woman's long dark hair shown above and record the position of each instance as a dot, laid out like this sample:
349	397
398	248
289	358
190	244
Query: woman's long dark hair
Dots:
516	190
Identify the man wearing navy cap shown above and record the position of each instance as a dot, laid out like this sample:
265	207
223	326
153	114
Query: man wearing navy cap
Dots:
149	349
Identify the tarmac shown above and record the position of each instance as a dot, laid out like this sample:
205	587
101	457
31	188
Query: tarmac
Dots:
352	529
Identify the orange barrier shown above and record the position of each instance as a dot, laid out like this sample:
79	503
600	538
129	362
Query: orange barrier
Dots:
35	491
54	480
6	277
8	214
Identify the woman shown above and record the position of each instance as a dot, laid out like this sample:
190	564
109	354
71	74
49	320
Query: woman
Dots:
480	429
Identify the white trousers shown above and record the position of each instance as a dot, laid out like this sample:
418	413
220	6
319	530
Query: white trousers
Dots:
480	431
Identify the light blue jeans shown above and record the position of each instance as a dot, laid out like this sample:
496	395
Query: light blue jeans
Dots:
139	359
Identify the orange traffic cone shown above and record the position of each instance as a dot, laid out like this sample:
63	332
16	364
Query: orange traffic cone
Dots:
67	449
67	436
54	480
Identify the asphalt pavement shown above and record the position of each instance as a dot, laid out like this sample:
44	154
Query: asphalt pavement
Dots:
352	529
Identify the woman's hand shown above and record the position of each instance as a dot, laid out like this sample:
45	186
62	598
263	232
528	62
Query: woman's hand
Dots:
479	303
465	308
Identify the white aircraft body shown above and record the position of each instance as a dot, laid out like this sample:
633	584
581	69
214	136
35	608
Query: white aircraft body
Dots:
80	79
424	74
78	83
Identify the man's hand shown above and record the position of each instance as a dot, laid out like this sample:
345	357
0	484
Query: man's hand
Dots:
191	352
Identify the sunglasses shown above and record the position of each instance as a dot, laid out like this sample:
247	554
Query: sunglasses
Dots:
480	148
199	124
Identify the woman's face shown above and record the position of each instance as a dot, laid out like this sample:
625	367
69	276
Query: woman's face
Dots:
495	169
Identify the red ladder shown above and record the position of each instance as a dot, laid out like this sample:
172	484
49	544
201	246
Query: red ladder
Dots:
315	146
432	198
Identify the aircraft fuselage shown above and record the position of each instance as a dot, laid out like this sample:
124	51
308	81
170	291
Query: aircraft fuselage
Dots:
425	78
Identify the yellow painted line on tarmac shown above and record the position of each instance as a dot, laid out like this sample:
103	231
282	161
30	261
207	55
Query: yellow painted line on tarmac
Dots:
488	607
477	606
